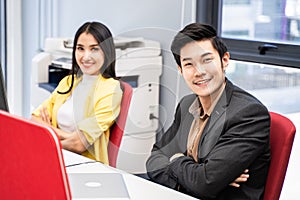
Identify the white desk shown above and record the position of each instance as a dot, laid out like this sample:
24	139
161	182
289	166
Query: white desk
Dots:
138	188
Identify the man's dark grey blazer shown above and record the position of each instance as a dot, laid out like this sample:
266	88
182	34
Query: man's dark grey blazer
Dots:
235	138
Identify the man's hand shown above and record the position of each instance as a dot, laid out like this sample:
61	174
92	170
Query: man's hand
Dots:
241	179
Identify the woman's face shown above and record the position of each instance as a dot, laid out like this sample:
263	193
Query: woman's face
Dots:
89	55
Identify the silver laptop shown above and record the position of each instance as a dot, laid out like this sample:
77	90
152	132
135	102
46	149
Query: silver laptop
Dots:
3	99
98	186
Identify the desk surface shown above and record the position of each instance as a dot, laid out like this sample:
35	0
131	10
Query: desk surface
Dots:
138	188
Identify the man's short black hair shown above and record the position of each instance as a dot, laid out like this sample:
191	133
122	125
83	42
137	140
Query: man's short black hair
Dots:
197	32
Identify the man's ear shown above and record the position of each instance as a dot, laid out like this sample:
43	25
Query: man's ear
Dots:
225	60
179	69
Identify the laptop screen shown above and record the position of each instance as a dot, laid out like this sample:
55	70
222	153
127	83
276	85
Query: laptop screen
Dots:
3	99
32	165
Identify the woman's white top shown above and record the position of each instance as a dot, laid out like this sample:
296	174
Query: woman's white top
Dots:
72	110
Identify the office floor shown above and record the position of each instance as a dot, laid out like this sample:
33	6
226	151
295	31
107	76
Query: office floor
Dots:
290	190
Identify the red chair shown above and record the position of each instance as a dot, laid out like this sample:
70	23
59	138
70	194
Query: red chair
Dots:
117	129
282	135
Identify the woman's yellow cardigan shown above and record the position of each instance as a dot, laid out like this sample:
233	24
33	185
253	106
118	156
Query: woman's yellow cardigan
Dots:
101	109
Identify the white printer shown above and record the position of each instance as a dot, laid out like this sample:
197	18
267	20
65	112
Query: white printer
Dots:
139	63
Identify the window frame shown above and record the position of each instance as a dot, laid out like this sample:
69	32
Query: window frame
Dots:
284	54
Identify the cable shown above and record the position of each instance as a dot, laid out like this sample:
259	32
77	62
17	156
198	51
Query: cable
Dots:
160	131
88	162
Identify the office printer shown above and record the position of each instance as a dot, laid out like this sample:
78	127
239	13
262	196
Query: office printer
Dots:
139	63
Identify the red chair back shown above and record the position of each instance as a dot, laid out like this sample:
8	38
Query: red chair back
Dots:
282	135
117	130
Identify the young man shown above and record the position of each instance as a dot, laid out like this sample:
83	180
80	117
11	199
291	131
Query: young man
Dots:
218	132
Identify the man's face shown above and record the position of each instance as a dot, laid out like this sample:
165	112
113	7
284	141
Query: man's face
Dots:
202	68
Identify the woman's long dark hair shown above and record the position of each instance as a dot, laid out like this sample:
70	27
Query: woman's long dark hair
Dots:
105	40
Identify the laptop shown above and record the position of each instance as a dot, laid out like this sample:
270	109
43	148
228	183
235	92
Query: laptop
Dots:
3	98
98	186
32	166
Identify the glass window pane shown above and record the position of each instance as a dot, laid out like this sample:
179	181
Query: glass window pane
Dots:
262	20
277	87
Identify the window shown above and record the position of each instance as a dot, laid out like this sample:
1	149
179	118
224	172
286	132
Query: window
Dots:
237	2
276	86
263	38
273	21
262	31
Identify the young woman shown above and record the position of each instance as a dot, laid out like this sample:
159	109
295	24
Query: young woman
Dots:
86	103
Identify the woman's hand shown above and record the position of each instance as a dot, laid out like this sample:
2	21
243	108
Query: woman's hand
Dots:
44	114
241	179
74	141
44	117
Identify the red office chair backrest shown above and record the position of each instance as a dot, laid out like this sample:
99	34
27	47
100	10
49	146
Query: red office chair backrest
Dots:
282	135
117	129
